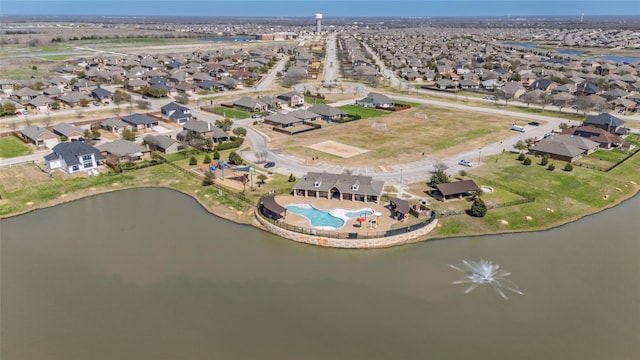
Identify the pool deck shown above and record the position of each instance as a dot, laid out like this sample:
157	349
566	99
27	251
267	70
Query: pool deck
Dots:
350	225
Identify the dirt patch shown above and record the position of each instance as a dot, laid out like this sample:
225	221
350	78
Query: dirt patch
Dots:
21	176
337	149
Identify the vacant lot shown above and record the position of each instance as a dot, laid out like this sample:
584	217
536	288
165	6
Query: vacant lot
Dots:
405	139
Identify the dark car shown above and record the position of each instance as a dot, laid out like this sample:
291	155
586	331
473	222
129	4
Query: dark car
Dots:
269	164
534	123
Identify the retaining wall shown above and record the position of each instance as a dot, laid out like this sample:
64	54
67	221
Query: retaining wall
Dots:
371	243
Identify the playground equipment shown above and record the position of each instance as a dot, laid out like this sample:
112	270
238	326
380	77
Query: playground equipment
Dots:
245	169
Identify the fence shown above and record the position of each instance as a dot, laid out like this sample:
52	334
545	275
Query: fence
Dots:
345	235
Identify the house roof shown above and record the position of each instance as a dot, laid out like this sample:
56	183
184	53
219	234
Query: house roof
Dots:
37	133
345	183
326	110
458	187
287	96
139	119
594	133
101	92
161	141
401	205
121	147
114	122
248	102
67	129
377	99
72	151
284	119
604	119
304	114
173	107
557	148
201	127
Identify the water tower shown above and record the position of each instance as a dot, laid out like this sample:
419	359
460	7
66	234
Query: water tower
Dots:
318	23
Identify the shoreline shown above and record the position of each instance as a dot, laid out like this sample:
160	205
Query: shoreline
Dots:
248	218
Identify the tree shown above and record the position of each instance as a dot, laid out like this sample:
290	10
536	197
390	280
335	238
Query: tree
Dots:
216	155
563	125
208	178
182	99
291	178
262	178
128	135
527	161
551	167
193	161
9	109
87	134
529	97
55	105
583	104
545	160
440	166
120	96
478	208
529	141
224	124
240	131
95	134
568	167
207	159
143	104
544	100
520	145
439	177
84	102
235	158
521	157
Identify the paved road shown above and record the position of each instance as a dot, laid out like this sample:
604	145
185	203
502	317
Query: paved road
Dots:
331	60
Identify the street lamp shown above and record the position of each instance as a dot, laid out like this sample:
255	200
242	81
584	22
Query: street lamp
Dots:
400	176
479	153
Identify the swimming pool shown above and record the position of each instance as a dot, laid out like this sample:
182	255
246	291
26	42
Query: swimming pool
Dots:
327	220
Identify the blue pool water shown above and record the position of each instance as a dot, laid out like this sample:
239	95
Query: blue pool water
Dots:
324	219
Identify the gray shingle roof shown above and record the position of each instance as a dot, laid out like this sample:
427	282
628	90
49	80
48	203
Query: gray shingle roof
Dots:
37	133
345	183
72	151
326	110
139	119
121	147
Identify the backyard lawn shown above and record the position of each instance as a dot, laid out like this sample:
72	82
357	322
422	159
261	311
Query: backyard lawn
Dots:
229	112
12	147
364	112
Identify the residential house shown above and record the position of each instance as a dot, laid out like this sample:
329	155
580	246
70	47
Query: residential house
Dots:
120	150
74	157
328	113
71	132
339	186
607	122
74	98
601	136
140	121
376	100
283	120
250	104
84	86
163	144
204	129
39	136
305	115
115	125
176	113
24	95
42	103
101	94
564	147
292	98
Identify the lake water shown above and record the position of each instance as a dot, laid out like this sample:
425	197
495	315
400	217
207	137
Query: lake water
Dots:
148	274
229	38
624	59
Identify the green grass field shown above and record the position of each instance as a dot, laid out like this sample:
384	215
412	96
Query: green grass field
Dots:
230	113
315	100
11	147
365	113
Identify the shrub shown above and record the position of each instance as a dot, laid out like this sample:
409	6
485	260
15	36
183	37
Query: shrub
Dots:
521	157
235	158
439	177
551	167
527	161
462	172
216	155
193	161
478	208
207	159
229	145
568	167
291	178
208	179
545	160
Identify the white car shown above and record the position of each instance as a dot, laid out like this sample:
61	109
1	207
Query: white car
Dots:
466	163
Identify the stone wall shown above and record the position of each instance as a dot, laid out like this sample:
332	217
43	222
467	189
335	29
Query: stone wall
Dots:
371	243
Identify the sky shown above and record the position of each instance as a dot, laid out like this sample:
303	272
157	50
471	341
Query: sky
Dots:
329	8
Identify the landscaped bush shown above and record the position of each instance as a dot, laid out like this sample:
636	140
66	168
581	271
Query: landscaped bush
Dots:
568	167
234	158
545	160
527	161
551	167
193	161
216	155
478	208
230	144
207	159
521	157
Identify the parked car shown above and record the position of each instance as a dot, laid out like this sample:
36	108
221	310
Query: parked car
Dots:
255	116
270	164
534	123
96	103
466	163
18	112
